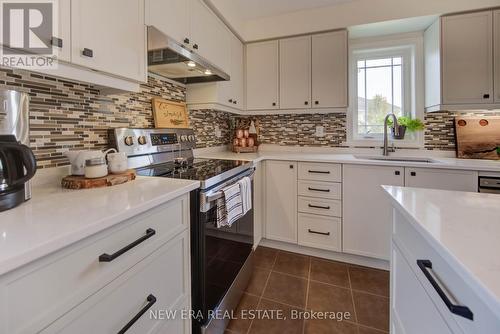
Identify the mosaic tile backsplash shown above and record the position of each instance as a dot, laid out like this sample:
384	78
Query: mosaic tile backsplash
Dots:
68	115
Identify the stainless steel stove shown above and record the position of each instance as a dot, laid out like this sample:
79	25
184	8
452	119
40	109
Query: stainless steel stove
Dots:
221	258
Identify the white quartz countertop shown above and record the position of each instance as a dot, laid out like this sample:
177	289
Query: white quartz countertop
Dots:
464	228
55	218
440	162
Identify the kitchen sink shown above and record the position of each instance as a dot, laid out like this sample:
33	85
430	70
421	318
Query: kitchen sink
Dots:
397	159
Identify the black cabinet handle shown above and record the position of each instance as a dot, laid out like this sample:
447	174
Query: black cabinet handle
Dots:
397	172
186	40
318	207
486	96
274	104
108	258
462	311
88	53
195	46
291	166
413	173
322	190
57	42
306	103
316	232
151	301
316	102
235	102
230	100
319	171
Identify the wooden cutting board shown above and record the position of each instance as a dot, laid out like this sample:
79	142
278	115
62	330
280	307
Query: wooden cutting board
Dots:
478	137
81	182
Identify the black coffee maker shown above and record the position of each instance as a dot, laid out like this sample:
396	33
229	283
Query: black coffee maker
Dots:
17	167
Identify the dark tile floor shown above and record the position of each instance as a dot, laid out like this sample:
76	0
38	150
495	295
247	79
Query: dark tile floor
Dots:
293	283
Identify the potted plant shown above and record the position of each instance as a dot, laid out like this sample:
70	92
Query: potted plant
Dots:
406	124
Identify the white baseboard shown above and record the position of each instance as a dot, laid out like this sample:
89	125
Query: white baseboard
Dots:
341	257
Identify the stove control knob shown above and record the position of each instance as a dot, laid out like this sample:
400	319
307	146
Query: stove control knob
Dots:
142	140
184	138
129	140
192	138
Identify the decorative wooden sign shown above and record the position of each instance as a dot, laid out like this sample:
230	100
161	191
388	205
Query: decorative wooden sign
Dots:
169	114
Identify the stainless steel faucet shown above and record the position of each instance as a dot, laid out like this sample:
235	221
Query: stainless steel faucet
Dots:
386	149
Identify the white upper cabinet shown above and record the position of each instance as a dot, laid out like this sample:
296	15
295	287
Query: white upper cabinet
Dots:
262	75
61	41
107	39
295	72
209	36
459	62
496	34
329	70
467	58
227	93
170	17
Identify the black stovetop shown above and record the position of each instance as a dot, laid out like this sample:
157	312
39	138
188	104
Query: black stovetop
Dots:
195	169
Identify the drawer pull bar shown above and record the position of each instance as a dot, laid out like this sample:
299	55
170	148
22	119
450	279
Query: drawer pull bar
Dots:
108	258
322	190
316	232
151	301
460	310
319	207
319	171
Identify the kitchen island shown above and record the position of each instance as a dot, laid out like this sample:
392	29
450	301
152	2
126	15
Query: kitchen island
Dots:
69	256
445	268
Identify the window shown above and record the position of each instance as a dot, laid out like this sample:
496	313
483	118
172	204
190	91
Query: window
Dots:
383	80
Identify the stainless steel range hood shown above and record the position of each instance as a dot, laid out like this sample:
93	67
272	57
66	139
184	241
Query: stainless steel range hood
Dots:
169	59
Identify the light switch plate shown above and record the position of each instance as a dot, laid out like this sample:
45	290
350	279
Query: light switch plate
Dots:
320	131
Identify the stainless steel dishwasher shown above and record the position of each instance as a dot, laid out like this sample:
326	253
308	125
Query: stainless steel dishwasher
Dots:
489	184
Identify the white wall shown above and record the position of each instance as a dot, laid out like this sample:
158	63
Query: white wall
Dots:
342	15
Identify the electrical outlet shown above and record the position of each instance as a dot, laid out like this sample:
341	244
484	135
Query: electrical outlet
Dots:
218	132
320	131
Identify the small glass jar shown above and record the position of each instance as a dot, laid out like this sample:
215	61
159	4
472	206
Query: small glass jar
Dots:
95	168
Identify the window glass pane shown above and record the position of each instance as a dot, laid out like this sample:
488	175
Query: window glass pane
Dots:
361	63
380	92
398	91
378	62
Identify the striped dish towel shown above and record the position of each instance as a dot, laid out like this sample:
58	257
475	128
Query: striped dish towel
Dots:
229	206
246	193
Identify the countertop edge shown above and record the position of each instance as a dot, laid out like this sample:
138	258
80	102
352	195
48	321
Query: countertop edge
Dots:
62	241
484	292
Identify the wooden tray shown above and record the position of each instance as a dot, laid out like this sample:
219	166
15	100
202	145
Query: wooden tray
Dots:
81	182
239	149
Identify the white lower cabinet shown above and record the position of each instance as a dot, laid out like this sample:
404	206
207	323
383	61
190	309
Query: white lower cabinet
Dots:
320	232
412	310
92	287
458	180
258	203
281	201
159	282
367	213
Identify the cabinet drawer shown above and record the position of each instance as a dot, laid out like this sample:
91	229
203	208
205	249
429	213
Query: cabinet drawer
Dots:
326	207
414	247
59	282
320	172
320	232
320	189
164	275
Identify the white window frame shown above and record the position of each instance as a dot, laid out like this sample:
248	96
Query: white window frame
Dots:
410	47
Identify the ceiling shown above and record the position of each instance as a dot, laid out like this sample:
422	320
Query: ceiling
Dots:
254	9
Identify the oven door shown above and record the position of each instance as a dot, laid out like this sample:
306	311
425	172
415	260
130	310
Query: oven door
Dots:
219	254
